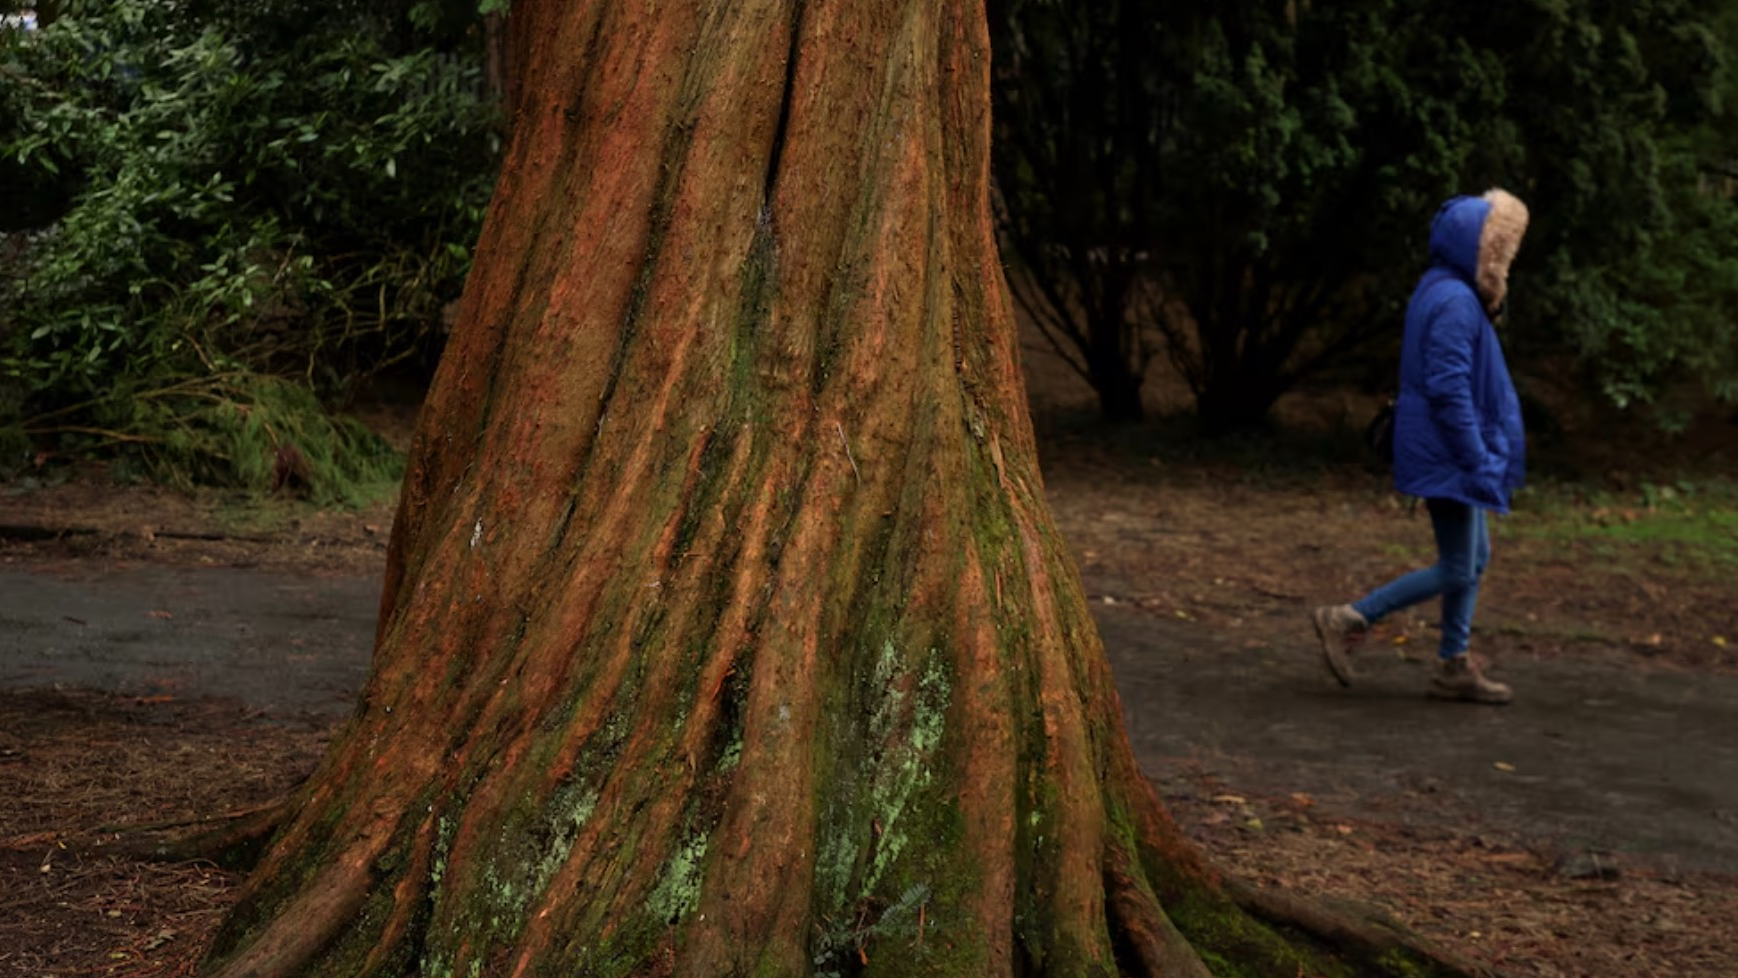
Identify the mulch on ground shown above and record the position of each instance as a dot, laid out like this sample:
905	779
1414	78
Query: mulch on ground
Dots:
75	766
1533	912
86	518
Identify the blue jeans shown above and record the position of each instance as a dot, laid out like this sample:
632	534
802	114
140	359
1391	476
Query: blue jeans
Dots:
1463	549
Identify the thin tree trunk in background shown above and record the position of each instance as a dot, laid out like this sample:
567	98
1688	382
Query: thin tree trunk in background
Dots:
726	630
497	57
1117	384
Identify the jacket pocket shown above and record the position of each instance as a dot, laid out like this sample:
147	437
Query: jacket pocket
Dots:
1497	444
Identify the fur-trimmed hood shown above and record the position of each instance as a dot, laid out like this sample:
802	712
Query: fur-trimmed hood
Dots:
1477	238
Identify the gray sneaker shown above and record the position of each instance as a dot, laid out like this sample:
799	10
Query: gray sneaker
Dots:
1460	678
1339	627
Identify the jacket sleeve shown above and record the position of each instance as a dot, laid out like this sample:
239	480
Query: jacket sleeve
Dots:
1448	363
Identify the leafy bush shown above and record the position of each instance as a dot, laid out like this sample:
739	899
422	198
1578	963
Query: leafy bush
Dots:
252	218
1621	115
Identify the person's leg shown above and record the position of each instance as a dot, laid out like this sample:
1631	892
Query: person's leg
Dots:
1457	676
1455	525
1462	550
1338	626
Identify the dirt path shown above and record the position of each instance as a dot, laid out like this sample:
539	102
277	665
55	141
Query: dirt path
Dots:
1595	752
281	643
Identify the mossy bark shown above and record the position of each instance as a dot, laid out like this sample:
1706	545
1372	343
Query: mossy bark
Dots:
726	631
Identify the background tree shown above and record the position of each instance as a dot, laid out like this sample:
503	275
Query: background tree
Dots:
1257	189
1250	176
1080	132
725	629
1632	266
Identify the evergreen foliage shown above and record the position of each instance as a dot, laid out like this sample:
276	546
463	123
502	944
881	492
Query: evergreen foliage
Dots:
258	204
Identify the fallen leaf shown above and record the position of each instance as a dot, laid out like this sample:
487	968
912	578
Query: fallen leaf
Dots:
1720	640
1230	799
159	615
1301	799
1343	829
1505	766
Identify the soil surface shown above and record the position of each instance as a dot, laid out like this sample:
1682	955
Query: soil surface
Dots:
153	675
1593	754
280	643
1596	752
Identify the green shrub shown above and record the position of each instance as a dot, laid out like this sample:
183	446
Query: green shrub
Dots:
252	219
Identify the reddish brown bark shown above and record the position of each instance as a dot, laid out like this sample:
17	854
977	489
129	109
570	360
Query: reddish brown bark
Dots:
725	630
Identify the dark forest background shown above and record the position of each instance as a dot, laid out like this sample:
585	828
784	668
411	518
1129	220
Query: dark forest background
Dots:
224	222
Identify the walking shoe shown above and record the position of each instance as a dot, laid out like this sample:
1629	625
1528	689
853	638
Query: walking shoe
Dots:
1338	627
1460	678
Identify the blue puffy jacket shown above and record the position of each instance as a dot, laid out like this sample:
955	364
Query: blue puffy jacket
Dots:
1457	421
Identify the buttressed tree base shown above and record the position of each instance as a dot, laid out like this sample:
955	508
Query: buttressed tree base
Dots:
725	630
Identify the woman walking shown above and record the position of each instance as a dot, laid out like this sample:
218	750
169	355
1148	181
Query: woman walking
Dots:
1458	440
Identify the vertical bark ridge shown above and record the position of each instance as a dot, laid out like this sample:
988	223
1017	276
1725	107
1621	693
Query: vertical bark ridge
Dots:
987	714
409	900
514	236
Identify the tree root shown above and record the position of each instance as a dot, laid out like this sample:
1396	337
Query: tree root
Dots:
1362	935
1145	937
233	840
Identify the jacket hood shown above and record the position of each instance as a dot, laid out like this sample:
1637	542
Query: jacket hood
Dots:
1477	238
1454	236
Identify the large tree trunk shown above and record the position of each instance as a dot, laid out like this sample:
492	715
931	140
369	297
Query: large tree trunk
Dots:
726	631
